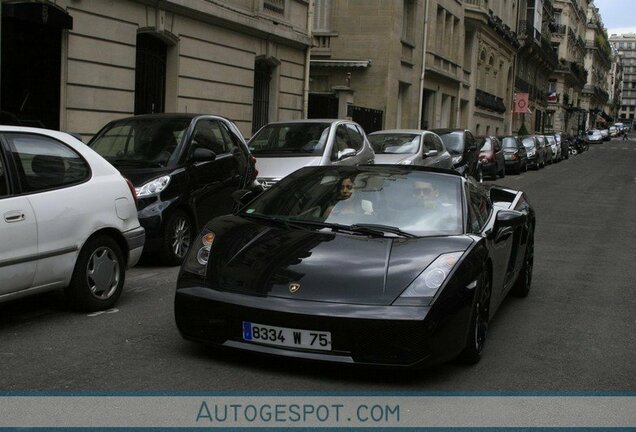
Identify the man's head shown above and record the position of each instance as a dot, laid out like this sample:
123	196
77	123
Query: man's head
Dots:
425	192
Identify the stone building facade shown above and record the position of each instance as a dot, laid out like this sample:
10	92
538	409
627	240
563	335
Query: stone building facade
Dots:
625	44
598	62
101	60
536	61
565	112
384	66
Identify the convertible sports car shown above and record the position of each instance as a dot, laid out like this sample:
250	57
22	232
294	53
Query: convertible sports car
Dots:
384	265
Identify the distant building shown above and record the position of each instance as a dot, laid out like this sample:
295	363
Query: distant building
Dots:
625	44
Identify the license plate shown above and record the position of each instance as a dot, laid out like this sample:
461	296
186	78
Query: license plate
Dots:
286	337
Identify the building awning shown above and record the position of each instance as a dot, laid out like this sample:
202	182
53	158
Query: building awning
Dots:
39	12
341	63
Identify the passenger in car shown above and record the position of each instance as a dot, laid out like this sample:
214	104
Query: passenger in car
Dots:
344	192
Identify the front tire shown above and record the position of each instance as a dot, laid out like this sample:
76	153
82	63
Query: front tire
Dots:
479	319
98	278
177	237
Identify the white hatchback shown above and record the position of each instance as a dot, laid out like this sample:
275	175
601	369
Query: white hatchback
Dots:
68	219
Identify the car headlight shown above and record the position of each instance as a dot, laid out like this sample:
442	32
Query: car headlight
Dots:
457	159
531	153
406	162
153	187
422	290
199	254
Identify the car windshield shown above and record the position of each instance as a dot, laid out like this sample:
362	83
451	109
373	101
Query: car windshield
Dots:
398	200
551	140
528	142
390	143
486	144
140	141
289	139
454	142
509	143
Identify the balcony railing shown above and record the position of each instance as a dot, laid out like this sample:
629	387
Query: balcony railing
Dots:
274	5
575	69
480	4
558	29
489	102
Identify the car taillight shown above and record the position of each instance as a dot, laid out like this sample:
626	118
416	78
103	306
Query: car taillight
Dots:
132	191
515	155
253	162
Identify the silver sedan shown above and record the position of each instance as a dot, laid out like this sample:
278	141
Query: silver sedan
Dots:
410	147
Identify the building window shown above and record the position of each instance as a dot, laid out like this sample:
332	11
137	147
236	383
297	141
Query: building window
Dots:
260	106
150	74
277	6
322	16
408	21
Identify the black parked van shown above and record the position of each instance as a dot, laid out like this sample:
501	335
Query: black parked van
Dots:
184	168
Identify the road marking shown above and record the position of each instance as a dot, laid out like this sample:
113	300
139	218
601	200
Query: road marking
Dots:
107	311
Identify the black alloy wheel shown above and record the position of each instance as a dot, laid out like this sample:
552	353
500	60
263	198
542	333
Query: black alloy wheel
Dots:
480	317
177	237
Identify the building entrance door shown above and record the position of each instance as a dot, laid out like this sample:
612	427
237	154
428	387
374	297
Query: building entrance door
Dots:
31	63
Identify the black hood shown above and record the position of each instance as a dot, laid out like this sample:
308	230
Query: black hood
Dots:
260	259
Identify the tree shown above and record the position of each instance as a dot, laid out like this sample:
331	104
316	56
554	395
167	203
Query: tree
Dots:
522	130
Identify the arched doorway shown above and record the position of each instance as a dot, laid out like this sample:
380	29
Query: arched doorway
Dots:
31	62
150	74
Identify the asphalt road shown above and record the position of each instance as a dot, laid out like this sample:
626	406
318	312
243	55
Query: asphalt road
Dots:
575	332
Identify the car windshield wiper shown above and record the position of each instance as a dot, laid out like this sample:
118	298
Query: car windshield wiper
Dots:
379	228
375	230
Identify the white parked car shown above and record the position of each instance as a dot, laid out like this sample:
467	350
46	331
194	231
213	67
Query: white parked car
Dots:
594	136
68	219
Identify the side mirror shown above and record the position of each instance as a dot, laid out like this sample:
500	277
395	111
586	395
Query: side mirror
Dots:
346	153
203	155
430	153
242	196
505	223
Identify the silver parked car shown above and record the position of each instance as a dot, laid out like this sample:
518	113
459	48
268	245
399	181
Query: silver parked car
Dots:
283	147
410	147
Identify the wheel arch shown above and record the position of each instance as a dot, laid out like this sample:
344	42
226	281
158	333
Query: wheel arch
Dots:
116	235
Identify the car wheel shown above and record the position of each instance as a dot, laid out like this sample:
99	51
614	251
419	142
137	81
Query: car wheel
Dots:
524	280
98	278
478	323
177	237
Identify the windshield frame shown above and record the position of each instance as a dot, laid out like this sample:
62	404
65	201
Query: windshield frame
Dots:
132	122
314	192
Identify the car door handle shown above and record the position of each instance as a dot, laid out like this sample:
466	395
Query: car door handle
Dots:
14	216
